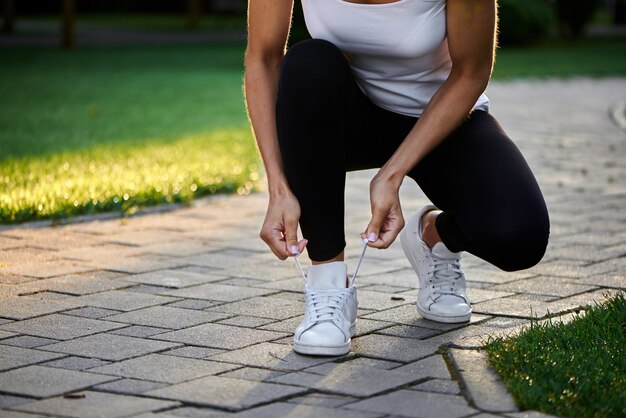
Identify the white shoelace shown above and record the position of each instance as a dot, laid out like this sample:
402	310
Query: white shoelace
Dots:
324	304
444	274
356	271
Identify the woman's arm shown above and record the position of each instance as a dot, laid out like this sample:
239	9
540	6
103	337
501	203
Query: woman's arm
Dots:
471	32
268	29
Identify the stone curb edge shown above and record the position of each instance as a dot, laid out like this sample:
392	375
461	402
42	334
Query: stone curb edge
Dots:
482	384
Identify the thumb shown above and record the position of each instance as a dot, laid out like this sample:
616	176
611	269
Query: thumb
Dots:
373	229
291	236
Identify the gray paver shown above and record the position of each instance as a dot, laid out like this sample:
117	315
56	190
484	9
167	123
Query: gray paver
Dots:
253	373
96	405
129	386
542	285
219	292
122	300
348	379
109	346
433	366
39	381
139	331
246	321
44	269
224	392
270	356
409	403
219	336
408	331
323	399
167	317
193	352
482	382
91	312
12	357
7	401
27	341
6	334
61	327
301	410
75	363
22	307
79	284
196	304
173	278
440	386
392	348
263	307
166	369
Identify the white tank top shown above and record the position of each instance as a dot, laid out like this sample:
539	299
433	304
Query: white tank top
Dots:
398	51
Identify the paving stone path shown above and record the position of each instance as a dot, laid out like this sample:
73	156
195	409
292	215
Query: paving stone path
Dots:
184	312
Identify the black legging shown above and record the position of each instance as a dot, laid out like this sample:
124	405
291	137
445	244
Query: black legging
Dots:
492	206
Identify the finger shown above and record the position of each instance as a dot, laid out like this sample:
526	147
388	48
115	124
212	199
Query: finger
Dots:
291	236
302	245
373	228
389	232
274	239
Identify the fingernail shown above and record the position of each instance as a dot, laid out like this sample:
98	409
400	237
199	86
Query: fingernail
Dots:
294	249
371	237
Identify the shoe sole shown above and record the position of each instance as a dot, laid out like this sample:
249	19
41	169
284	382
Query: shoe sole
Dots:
323	350
410	252
313	350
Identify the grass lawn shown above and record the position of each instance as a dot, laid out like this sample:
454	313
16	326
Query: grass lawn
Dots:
99	129
570	370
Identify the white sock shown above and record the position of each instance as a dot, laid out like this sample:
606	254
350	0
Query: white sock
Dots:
327	275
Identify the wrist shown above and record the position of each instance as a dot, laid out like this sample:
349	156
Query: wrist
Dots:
278	188
392	175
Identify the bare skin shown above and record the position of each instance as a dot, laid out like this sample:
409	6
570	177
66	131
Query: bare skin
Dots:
471	28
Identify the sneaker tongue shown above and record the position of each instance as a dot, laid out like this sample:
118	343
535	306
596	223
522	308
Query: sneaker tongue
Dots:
440	250
327	276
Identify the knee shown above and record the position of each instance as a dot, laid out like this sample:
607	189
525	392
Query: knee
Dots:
311	62
517	243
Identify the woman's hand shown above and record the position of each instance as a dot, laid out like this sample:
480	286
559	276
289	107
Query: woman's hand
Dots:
280	228
387	220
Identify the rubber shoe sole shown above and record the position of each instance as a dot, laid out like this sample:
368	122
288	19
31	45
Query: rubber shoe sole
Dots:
408	239
316	350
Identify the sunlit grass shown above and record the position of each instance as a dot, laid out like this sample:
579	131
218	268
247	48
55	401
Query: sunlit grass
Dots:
576	369
117	177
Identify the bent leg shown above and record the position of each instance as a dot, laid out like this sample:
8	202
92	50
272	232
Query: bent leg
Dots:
314	92
492	205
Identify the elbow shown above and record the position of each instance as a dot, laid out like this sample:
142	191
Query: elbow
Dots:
255	57
476	76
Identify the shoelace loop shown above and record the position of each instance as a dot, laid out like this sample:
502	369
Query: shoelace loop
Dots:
444	274
324	305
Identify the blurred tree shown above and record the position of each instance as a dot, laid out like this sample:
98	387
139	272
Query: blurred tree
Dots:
575	14
194	12
619	12
68	24
523	21
8	19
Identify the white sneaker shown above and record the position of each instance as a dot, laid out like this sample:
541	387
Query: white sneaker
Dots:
442	296
330	313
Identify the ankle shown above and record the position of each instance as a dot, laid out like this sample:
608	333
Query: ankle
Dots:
331	275
429	229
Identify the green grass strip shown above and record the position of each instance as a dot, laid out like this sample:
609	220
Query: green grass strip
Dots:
122	178
576	369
